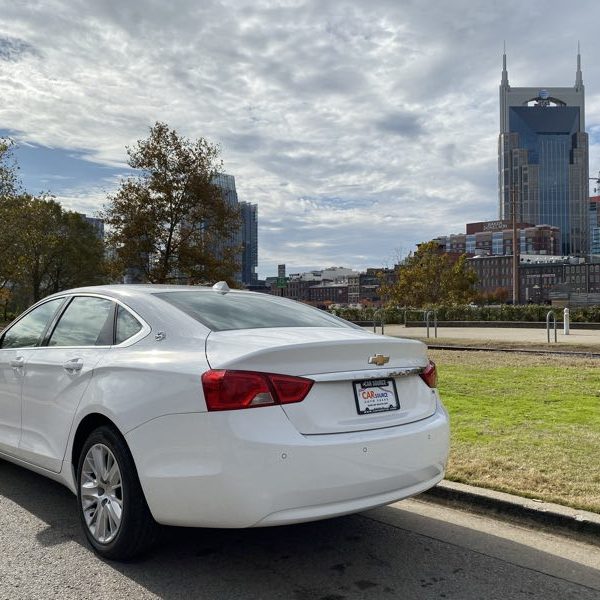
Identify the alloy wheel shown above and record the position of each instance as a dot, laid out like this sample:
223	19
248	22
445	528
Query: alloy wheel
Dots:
101	493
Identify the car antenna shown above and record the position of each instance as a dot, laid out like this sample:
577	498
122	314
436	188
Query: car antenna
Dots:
221	287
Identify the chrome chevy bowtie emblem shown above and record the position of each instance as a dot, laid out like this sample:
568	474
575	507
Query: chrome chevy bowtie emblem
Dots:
379	360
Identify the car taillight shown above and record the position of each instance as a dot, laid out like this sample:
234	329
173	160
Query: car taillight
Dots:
429	375
232	390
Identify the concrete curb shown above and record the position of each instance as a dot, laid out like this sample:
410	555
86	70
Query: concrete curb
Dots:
554	518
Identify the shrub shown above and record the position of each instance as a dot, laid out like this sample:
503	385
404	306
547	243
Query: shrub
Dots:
503	312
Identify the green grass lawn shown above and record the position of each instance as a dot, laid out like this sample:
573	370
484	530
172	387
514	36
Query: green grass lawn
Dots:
512	345
528	425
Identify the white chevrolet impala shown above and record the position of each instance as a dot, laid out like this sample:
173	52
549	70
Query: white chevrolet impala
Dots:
209	407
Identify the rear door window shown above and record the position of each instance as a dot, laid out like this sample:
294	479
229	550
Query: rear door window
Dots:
87	321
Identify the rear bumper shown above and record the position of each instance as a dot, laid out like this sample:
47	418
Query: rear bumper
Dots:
252	468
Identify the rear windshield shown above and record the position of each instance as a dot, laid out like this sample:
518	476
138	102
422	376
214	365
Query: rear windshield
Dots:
221	312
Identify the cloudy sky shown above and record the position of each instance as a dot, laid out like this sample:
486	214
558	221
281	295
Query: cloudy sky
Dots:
359	128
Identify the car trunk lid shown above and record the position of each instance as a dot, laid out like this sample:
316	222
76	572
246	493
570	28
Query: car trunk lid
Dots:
336	359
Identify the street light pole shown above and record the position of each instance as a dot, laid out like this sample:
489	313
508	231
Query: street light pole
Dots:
516	247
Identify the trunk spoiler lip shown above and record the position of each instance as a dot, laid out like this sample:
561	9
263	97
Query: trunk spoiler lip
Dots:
388	373
214	342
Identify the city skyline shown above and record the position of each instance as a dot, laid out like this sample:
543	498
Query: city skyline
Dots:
359	131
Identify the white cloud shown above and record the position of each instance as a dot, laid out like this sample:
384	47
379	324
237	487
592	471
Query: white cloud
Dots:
359	128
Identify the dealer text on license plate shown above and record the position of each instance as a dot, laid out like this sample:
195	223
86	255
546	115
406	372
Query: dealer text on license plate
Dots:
375	395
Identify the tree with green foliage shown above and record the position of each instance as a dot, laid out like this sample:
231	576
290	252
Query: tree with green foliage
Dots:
9	210
9	186
45	249
170	222
430	277
9	181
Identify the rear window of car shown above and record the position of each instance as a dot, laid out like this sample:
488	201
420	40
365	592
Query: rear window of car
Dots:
222	312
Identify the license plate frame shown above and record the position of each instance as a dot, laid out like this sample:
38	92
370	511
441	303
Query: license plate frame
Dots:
384	397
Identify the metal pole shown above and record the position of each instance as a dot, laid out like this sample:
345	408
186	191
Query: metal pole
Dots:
566	319
548	315
516	247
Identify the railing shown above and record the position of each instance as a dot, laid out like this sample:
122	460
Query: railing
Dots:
427	316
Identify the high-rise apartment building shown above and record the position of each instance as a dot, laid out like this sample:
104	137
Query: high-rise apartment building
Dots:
96	223
246	236
543	159
249	237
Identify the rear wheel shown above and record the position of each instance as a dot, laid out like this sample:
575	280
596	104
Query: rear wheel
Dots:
112	508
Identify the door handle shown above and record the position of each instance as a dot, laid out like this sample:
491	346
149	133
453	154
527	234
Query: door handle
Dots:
73	366
18	362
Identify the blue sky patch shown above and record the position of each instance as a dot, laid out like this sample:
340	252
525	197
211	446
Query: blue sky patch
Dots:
59	170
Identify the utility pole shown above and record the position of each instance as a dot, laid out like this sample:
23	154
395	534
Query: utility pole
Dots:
516	243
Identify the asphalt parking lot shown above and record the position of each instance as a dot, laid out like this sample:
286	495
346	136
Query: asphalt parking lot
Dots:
416	551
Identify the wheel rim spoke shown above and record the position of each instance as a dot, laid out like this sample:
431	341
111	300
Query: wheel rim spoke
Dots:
98	460
114	475
101	493
112	518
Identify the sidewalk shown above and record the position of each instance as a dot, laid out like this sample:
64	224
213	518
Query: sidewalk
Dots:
579	524
577	337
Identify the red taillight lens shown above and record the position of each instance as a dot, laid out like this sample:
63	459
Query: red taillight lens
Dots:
429	375
290	389
233	390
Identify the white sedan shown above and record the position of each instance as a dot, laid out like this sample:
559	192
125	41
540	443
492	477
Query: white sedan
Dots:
208	407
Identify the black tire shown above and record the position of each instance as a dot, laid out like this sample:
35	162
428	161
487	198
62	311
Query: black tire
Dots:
137	530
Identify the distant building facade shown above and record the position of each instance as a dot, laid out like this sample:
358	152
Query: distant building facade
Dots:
543	159
97	224
249	239
246	236
595	225
327	292
495	238
543	279
335	285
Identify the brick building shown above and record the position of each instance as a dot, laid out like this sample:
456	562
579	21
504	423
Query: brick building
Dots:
495	238
542	278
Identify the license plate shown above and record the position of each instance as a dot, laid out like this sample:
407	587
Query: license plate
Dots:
375	395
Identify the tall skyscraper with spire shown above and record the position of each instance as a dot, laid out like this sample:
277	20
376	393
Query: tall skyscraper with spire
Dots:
543	158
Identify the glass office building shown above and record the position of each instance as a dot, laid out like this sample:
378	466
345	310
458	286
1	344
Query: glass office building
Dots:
543	159
246	236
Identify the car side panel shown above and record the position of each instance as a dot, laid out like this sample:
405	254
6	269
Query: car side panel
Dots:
139	384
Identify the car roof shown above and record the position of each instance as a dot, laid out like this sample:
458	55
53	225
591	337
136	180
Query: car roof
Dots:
128	290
